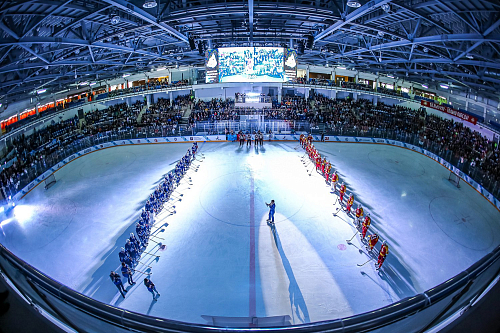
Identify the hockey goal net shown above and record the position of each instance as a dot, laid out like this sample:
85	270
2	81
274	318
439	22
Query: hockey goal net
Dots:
454	179
51	180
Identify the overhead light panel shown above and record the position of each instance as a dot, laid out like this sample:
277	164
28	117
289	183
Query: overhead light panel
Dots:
392	77
470	56
425	86
444	86
92	84
126	75
341	67
161	69
353	4
41	91
149	4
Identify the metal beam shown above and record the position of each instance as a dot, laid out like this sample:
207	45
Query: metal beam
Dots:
476	44
136	11
250	20
361	11
429	39
34	53
491	28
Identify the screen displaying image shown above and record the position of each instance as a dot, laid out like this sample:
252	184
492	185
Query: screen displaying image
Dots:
211	66
290	64
251	64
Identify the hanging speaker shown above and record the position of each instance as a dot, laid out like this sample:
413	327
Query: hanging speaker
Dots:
192	45
200	48
310	41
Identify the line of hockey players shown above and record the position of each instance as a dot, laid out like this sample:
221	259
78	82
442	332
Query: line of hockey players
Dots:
136	244
257	138
362	221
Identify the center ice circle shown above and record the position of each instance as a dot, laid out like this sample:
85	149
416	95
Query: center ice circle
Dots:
403	165
465	225
227	199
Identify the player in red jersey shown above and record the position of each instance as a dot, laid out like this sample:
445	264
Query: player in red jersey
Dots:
384	250
309	138
350	202
365	226
359	214
318	162
328	168
335	180
372	241
342	192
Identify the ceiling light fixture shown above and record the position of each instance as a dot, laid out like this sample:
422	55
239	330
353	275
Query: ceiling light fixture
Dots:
444	86
425	86
41	91
392	77
470	56
386	8
353	4
149	4
115	19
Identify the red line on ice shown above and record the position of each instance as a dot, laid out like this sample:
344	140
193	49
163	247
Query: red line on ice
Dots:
252	292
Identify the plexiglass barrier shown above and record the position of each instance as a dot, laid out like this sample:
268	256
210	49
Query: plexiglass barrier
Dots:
413	314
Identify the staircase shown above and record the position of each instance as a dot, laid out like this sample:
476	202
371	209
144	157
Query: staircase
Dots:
139	117
186	115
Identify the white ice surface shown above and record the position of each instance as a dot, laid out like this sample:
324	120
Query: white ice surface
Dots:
73	231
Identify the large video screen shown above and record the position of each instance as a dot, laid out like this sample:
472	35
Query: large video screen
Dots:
251	64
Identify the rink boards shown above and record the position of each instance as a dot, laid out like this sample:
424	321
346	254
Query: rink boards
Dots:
276	137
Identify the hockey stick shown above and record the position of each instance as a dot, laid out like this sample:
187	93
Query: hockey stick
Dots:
149	273
154	255
155	242
365	262
144	264
335	214
349	240
157	237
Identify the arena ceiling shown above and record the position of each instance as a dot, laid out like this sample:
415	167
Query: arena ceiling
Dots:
56	44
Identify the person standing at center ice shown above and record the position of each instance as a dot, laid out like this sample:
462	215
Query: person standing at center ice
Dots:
151	288
272	209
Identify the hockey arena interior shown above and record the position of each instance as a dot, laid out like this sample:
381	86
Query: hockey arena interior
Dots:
239	166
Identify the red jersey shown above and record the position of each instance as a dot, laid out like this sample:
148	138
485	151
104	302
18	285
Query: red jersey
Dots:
342	189
359	211
372	240
367	221
384	250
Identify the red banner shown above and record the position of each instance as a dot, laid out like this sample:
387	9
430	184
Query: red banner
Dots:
448	110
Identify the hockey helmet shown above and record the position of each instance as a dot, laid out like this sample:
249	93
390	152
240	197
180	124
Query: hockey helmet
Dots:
123	249
132	235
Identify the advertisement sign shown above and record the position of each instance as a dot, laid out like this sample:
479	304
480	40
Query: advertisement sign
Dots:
450	111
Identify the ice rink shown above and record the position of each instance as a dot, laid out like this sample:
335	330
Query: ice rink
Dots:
221	257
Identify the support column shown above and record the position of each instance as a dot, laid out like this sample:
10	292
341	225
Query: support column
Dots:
307	74
306	94
333	94
36	108
467	103
148	100
280	91
171	97
484	114
375	100
355	96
